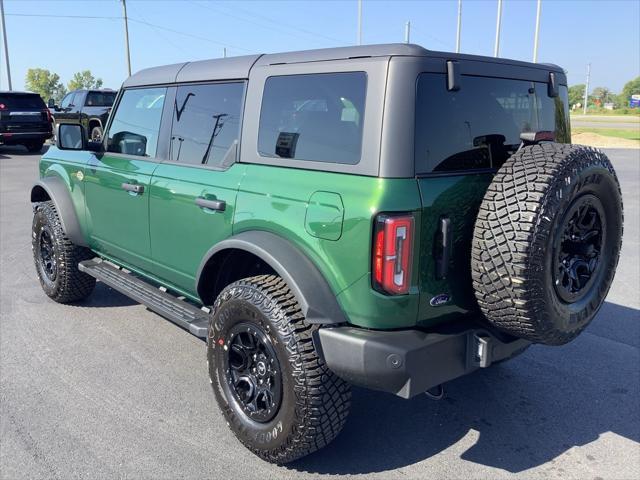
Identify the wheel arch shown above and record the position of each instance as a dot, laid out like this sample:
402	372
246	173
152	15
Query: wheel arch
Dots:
55	190
316	299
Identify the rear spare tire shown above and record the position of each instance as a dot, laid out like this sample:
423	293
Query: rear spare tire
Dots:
546	242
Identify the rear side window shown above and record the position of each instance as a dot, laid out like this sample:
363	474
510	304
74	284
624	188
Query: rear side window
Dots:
18	101
479	126
100	99
206	123
314	117
136	122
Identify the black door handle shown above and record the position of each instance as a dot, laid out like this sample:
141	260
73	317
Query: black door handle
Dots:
219	205
133	187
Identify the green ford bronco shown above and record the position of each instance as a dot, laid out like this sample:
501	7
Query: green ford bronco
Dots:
384	216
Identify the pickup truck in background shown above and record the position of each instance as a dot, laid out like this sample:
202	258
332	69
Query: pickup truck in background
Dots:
89	108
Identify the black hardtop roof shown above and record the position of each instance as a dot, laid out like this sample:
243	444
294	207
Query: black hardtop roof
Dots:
239	67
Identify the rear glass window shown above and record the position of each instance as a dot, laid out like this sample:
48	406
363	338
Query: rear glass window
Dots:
14	101
479	126
313	117
100	99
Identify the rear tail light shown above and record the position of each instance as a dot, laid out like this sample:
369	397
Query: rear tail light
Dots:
48	115
392	253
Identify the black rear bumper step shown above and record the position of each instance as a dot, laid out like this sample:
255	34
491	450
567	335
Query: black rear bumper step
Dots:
178	311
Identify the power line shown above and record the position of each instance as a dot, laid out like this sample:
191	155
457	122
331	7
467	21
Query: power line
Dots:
143	22
276	22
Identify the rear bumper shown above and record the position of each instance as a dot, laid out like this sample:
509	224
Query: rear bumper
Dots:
409	362
20	137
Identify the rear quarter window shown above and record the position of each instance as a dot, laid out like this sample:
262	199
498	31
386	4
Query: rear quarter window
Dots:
100	99
313	117
479	126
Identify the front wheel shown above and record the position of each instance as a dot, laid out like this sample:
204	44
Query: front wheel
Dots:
276	393
56	258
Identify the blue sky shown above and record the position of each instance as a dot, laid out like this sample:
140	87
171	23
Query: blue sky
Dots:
572	33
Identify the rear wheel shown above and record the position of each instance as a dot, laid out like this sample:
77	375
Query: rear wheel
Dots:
276	393
56	258
96	134
34	147
546	242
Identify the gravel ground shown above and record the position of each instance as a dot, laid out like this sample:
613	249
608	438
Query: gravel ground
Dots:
107	389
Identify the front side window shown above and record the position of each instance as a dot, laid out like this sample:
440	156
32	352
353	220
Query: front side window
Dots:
67	101
206	123
136	122
314	117
479	126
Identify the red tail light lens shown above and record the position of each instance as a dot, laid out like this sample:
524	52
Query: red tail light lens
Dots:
48	112
392	253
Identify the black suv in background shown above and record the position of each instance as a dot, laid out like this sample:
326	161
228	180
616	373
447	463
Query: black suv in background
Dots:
89	108
24	120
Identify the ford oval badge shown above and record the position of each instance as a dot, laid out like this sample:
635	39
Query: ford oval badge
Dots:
439	300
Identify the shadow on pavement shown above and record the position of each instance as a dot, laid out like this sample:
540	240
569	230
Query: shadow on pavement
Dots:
517	415
104	297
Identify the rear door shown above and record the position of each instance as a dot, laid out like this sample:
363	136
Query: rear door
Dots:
193	192
117	181
462	138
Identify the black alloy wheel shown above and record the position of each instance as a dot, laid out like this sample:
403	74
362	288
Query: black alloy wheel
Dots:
578	247
253	372
47	255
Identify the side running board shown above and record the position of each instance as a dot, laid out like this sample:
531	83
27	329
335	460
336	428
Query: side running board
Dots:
178	311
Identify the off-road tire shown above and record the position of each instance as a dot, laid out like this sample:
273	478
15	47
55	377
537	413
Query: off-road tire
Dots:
315	402
523	212
34	147
69	284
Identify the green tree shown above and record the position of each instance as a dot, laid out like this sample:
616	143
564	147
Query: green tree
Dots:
603	94
44	83
84	80
576	94
632	87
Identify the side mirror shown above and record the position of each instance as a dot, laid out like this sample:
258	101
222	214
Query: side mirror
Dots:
51	103
71	137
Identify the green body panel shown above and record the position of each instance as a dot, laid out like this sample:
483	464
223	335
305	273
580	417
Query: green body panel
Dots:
182	232
117	220
66	166
345	262
164	236
457	198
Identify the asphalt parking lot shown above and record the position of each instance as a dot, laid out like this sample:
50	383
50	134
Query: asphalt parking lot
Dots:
107	389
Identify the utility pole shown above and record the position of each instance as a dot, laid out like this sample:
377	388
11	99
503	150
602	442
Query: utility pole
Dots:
224	52
126	34
459	26
6	47
496	49
407	32
586	89
359	22
535	39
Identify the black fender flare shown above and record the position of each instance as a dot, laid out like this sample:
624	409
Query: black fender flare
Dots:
55	189
316	299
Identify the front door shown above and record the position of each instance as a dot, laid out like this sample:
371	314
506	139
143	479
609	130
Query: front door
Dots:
117	182
193	193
